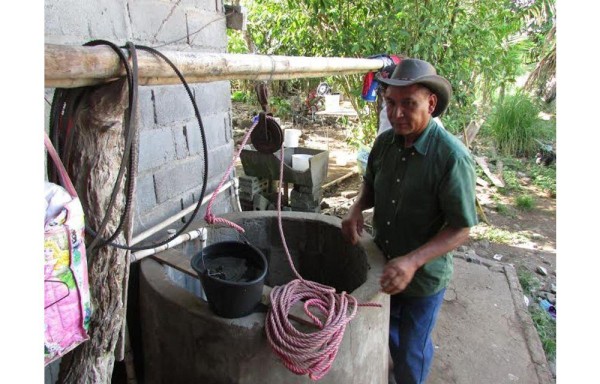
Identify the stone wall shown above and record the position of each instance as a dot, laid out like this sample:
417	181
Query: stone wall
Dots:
170	166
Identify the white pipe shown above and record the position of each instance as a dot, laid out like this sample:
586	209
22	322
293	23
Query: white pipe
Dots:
200	232
151	231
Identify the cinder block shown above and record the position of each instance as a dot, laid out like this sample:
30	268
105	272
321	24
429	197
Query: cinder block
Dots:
214	129
219	160
204	5
177	178
156	148
181	144
146	110
147	219
157	21
172	105
215	132
145	196
77	22
213	97
207	29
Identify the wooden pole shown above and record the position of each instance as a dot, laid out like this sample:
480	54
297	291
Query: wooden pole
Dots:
75	66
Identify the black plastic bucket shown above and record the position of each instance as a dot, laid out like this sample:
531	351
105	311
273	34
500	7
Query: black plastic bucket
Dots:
232	276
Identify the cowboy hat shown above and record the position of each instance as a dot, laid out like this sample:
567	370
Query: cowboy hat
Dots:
415	71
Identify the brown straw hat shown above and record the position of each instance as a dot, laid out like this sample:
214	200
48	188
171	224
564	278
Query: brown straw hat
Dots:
415	71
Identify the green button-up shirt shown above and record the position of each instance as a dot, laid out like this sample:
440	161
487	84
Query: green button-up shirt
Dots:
418	191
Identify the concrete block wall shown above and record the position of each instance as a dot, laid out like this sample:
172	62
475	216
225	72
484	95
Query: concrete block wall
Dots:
171	159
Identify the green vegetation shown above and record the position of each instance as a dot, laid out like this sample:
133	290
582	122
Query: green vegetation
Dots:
529	282
544	324
502	209
511	181
280	107
546	328
497	235
544	178
515	126
525	202
481	47
241	96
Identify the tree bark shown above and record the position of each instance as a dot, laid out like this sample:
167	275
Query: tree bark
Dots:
97	153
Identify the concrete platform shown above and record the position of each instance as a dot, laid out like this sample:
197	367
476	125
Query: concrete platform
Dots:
484	332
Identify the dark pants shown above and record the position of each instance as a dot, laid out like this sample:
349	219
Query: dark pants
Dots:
411	323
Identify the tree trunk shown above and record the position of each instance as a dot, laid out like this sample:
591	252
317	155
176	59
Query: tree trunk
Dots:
97	154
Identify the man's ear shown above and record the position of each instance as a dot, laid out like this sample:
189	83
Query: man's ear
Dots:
432	102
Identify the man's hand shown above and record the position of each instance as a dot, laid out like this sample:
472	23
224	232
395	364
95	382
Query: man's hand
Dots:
397	274
352	226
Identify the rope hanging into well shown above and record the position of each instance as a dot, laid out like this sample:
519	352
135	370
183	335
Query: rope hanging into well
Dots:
310	353
302	353
209	217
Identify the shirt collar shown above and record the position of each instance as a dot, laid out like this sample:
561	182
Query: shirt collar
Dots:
421	145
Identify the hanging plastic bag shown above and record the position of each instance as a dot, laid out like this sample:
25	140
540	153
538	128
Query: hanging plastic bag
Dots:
67	305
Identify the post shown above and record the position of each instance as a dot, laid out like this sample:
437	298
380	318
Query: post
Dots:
99	145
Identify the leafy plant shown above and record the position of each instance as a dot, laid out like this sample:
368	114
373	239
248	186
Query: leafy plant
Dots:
515	125
511	182
472	44
281	107
241	96
544	178
525	202
502	209
529	282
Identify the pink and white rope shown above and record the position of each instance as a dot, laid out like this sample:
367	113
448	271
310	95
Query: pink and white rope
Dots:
310	353
209	217
302	353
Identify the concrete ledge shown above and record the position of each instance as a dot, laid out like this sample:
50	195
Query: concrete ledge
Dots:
185	342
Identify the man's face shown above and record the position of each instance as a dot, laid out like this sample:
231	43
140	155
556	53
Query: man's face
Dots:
409	109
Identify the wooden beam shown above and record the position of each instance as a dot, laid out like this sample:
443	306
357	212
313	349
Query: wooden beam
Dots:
74	66
176	259
339	179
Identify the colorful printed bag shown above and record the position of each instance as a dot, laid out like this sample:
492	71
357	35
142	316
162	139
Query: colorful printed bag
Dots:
67	306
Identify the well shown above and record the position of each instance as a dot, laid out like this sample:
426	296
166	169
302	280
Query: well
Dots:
184	342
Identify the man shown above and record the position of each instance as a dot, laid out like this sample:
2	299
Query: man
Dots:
384	122
420	180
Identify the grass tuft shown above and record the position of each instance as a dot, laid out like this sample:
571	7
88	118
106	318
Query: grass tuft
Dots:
525	202
544	324
515	126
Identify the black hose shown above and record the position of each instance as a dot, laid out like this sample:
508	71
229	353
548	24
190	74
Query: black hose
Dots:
64	104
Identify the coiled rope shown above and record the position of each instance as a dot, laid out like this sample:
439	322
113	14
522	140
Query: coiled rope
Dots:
302	353
310	353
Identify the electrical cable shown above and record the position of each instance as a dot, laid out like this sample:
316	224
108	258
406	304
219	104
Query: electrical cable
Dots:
57	114
126	150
